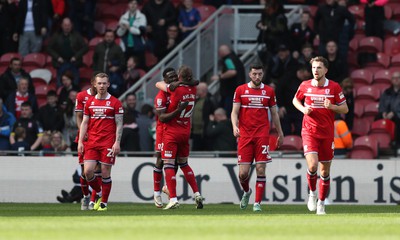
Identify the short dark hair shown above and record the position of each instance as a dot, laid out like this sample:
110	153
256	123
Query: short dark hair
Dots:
14	59
256	66
167	70
320	59
26	104
51	93
19	132
146	108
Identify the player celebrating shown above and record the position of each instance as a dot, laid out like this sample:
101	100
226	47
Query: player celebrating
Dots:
102	121
176	136
251	126
81	99
322	99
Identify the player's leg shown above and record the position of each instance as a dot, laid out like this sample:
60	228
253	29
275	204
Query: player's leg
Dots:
310	146
106	185
190	177
245	159
157	179
89	168
94	197
84	187
168	155
325	160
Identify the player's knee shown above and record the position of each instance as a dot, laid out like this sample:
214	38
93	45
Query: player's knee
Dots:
159	163
312	169
243	176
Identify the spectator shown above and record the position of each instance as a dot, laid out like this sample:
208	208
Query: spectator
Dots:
66	87
291	118
56	10
338	69
144	122
7	121
57	142
132	29
130	140
50	116
82	14
70	127
132	73
389	104
307	53
46	144
232	75
8	11
200	118
273	27
159	14
109	58
345	35
374	17
167	44
329	21
75	194
21	95
130	105
34	132
301	34
342	138
20	143
67	48
31	25
219	132
189	18
10	78
348	89
281	63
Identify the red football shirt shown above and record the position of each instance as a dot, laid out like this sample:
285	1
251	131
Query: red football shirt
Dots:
161	102
181	123
254	105
19	99
320	122
102	127
81	99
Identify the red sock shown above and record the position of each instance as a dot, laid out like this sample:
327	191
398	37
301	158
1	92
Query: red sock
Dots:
189	176
84	186
157	177
245	184
312	180
106	189
260	188
324	184
93	196
170	178
94	184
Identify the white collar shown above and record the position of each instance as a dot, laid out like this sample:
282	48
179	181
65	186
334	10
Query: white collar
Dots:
314	83
106	98
261	85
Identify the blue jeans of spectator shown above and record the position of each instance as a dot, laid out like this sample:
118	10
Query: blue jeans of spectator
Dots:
65	67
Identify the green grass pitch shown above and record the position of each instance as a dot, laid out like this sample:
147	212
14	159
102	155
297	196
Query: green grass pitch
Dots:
215	221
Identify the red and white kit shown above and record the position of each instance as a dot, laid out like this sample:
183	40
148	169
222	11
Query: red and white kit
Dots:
161	102
81	99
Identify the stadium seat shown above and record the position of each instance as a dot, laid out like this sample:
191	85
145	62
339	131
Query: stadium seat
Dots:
361	77
87	59
388	12
99	28
6	58
112	25
358	110
151	60
353	44
360	127
37	60
93	42
382	76
85	75
3	69
292	142
395	62
41	90
40	76
392	45
312	10
206	11
367	94
360	28
382	61
395	6
371	111
370	45
364	147
357	11
384	125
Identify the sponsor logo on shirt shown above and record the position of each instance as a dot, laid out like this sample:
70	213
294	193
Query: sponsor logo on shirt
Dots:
168	153
159	102
341	95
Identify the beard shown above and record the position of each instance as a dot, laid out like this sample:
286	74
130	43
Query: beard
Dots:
256	83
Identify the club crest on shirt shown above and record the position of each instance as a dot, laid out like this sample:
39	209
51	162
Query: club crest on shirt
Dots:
246	92
309	90
327	91
108	103
92	103
263	92
159	102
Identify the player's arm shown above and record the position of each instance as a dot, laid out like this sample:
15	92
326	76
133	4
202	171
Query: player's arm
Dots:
79	117
340	109
162	86
116	148
172	86
277	124
235	119
305	110
166	117
82	133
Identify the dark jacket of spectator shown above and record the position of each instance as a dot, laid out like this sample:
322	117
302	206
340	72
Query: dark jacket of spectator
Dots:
39	12
7	121
10	103
8	84
115	56
7	27
51	118
221	135
154	13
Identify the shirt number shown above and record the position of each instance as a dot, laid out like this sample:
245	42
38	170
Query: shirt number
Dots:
186	113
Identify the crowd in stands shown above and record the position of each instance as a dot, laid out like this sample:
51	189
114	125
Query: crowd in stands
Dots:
74	39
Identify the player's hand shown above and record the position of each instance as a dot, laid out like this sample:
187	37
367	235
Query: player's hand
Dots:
182	106
279	142
327	103
236	132
174	85
80	147
116	148
215	78
307	110
282	112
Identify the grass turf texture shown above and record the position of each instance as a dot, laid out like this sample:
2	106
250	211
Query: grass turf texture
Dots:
215	221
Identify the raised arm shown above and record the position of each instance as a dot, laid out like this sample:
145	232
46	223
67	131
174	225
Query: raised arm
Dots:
166	117
162	86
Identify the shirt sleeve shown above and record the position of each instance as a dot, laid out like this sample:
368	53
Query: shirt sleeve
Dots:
237	96
272	99
118	108
300	94
339	96
229	64
86	109
79	103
